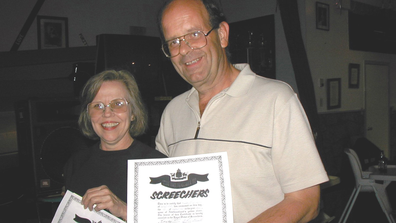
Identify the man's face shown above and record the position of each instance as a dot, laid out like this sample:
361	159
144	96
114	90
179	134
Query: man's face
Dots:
199	67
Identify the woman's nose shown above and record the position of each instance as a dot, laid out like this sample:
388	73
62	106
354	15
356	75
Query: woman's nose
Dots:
107	111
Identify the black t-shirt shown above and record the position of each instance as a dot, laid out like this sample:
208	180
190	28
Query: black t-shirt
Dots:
94	167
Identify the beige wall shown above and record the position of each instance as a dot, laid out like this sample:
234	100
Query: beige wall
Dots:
329	56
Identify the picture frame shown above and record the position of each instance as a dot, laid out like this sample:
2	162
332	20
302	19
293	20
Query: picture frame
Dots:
354	75
333	93
52	32
322	16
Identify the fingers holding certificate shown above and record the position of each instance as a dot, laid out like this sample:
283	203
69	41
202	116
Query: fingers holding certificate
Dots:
71	210
102	198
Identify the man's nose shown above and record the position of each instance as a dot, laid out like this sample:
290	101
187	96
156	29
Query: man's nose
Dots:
184	48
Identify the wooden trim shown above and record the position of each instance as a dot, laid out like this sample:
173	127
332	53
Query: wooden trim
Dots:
34	57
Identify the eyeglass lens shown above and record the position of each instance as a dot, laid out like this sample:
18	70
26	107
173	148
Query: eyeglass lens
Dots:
116	105
195	40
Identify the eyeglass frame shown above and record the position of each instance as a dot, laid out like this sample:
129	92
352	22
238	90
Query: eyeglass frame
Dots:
182	38
108	105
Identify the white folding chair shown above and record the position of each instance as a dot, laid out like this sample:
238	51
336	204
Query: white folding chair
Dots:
364	184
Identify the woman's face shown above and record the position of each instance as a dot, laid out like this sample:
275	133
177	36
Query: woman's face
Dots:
112	127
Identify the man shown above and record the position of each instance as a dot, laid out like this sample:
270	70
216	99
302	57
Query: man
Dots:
275	168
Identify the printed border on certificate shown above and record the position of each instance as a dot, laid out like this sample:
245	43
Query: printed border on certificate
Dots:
223	178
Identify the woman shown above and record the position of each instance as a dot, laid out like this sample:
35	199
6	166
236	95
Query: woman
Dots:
112	111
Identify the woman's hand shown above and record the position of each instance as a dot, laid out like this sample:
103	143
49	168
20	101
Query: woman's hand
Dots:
103	198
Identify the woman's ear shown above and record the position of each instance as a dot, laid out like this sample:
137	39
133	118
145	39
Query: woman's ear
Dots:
223	32
132	118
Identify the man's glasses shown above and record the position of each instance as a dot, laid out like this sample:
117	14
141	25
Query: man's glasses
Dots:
195	40
118	105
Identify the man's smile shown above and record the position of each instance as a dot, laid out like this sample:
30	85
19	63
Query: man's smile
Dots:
192	62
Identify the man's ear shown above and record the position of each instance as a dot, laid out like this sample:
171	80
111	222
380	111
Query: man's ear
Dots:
223	32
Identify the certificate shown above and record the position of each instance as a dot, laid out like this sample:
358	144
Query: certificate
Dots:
71	210
177	190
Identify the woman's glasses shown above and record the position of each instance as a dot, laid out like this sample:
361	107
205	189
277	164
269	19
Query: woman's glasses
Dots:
118	105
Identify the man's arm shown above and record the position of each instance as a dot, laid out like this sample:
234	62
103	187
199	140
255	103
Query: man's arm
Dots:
298	206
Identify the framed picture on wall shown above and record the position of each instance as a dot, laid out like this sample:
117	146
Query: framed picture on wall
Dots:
322	16
333	93
354	73
52	32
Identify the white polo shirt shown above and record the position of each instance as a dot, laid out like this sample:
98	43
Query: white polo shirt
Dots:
261	125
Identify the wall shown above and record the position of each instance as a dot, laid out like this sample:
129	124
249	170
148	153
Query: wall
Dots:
328	51
93	18
329	56
89	18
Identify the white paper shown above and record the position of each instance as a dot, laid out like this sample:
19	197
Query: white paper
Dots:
180	190
71	210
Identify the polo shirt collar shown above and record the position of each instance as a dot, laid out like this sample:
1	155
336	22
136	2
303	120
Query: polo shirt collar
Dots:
243	83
